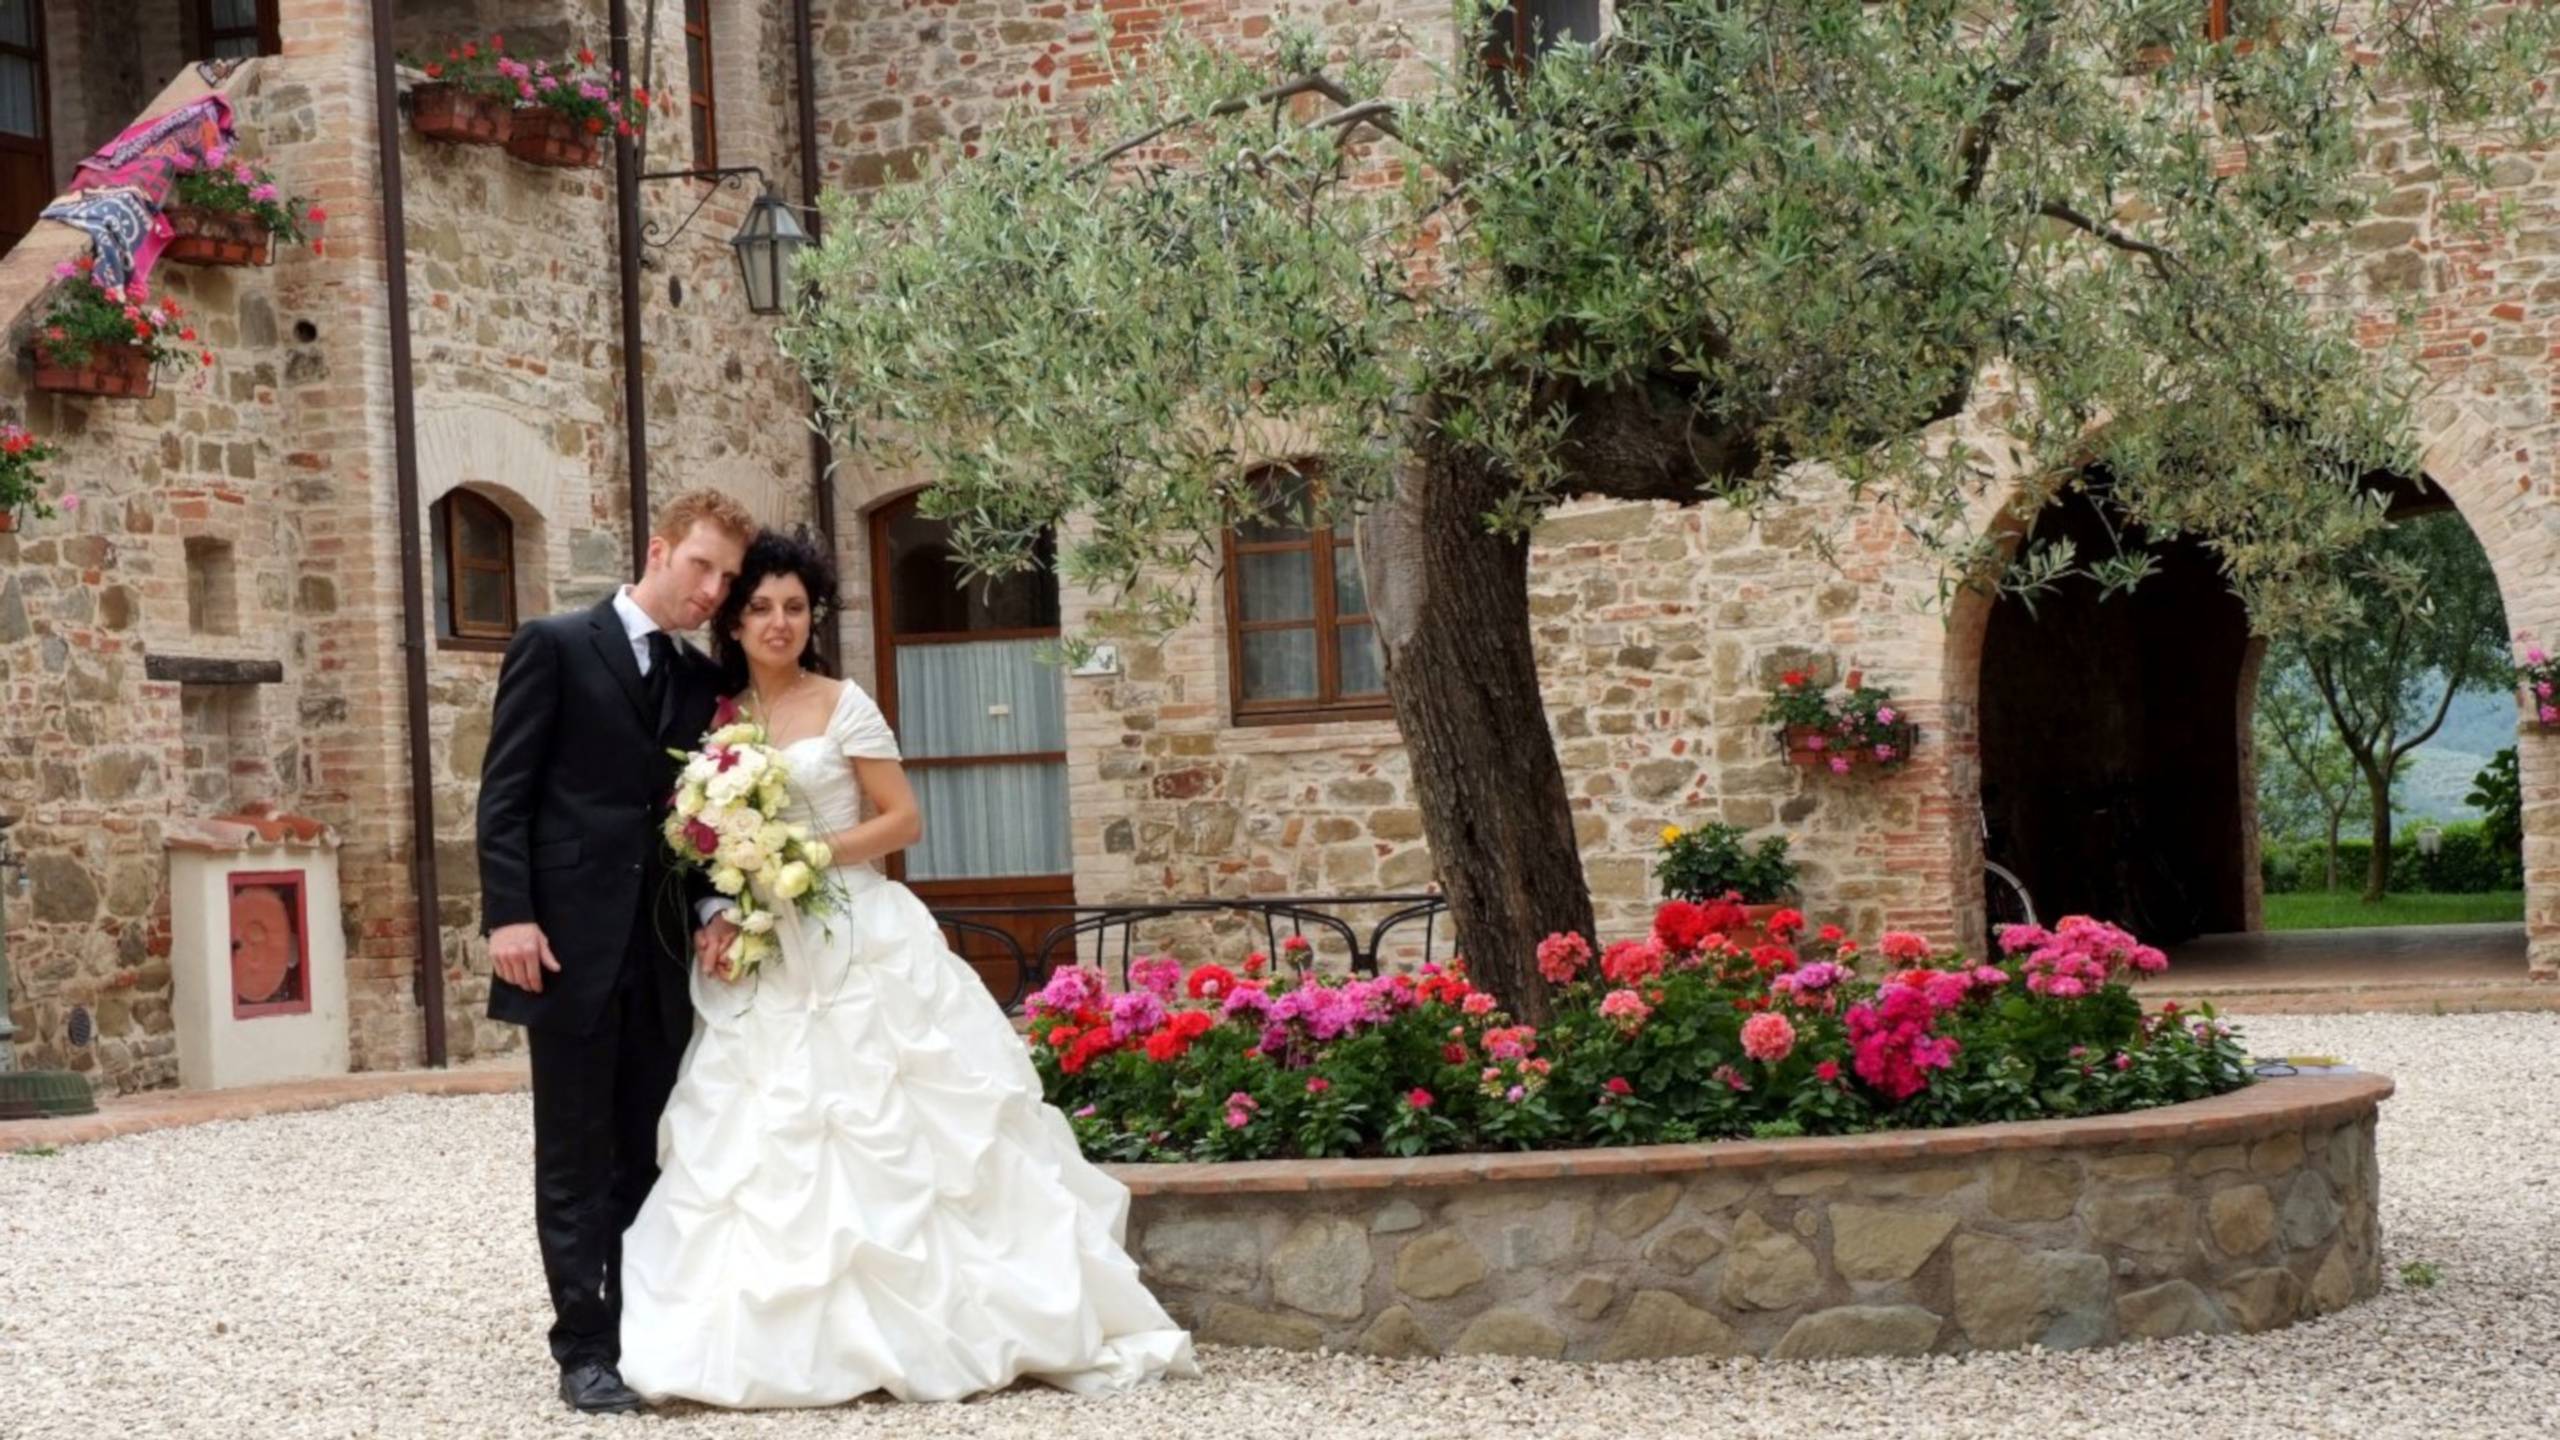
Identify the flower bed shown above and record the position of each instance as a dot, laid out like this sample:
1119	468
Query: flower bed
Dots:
1686	1034
2239	1213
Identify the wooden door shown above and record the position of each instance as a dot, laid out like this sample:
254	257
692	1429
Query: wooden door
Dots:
26	129
981	722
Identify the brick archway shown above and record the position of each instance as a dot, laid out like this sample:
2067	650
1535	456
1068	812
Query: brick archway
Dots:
2483	474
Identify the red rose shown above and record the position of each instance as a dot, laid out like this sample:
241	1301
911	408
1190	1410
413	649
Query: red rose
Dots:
701	837
1454	1054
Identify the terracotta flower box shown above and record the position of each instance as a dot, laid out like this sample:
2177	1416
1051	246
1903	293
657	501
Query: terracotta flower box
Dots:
544	136
1809	746
211	237
8	521
122	371
456	116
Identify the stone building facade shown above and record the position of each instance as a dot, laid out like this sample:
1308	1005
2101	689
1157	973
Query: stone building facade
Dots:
250	515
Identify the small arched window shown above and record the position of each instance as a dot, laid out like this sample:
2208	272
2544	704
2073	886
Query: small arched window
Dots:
475	555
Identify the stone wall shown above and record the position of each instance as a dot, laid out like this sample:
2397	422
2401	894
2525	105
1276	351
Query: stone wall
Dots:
2241	1213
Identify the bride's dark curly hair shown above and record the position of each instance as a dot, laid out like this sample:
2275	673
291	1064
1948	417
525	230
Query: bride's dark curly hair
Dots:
773	553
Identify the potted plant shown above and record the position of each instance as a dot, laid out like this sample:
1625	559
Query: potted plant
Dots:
1861	729
465	100
226	212
109	340
565	110
1803	716
21	484
2538	680
1713	862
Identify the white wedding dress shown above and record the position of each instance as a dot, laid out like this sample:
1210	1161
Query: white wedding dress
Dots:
860	1187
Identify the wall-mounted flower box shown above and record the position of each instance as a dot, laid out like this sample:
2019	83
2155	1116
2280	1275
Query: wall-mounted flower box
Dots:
443	110
209	237
123	372
110	339
544	136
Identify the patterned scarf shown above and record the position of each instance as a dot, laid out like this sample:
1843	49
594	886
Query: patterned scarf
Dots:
117	193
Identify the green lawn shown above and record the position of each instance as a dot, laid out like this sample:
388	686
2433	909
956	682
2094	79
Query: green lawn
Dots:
2346	910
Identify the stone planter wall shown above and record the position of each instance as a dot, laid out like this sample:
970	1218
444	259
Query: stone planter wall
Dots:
2240	1213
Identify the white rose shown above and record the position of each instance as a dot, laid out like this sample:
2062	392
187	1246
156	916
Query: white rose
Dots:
772	836
737	732
818	853
794	880
759	923
727	880
689	801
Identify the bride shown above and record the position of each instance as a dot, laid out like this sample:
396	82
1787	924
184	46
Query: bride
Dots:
860	1188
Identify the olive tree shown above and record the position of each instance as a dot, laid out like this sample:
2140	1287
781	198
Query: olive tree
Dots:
1732	245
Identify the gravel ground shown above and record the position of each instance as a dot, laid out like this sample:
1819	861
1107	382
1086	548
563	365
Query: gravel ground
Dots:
370	1271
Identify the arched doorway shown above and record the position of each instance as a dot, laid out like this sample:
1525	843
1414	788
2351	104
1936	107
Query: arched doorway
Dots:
981	723
2115	766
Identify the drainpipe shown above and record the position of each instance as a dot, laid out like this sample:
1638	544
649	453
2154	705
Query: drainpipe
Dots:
413	564
821	461
626	203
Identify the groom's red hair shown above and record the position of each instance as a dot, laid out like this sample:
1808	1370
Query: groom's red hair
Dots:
693	507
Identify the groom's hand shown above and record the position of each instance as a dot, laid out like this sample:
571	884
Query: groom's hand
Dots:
711	944
520	953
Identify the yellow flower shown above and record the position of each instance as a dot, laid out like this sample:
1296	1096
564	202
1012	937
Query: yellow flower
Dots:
1671	834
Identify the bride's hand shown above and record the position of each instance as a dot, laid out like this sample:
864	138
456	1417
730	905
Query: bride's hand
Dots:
711	946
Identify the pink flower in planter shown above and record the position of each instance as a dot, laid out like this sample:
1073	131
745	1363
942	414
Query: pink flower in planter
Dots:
1561	957
1817	742
2534	656
1839	764
2551	715
1626	1010
1156	973
1885	753
1768	1038
1885	714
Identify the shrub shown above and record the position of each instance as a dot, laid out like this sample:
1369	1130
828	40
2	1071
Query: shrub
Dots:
1712	863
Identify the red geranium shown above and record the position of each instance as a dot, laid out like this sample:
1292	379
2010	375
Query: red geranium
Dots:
1682	926
1209	982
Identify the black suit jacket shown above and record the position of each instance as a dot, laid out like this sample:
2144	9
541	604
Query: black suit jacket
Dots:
573	792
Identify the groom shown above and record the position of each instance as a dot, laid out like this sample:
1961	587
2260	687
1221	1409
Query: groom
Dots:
587	923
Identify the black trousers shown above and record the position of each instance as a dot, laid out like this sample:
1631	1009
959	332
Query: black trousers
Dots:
596	1102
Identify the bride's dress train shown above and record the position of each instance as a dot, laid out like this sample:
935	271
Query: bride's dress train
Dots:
861	1189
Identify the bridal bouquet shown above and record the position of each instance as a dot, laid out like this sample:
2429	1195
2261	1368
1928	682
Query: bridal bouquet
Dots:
728	807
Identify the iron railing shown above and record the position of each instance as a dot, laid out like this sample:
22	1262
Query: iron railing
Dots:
1099	934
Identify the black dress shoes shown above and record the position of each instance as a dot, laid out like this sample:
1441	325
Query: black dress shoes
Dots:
597	1388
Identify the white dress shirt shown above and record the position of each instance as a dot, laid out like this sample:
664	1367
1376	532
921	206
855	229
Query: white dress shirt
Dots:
636	624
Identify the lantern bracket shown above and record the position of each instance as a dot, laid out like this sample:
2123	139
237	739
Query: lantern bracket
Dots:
728	178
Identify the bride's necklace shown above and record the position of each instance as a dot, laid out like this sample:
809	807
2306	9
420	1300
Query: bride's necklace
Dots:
764	707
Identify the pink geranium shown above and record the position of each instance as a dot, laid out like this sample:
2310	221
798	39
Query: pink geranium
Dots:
1562	956
1768	1038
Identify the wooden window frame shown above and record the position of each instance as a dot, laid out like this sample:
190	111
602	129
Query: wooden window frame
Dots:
700	93
455	631
267	31
1328	623
39	146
